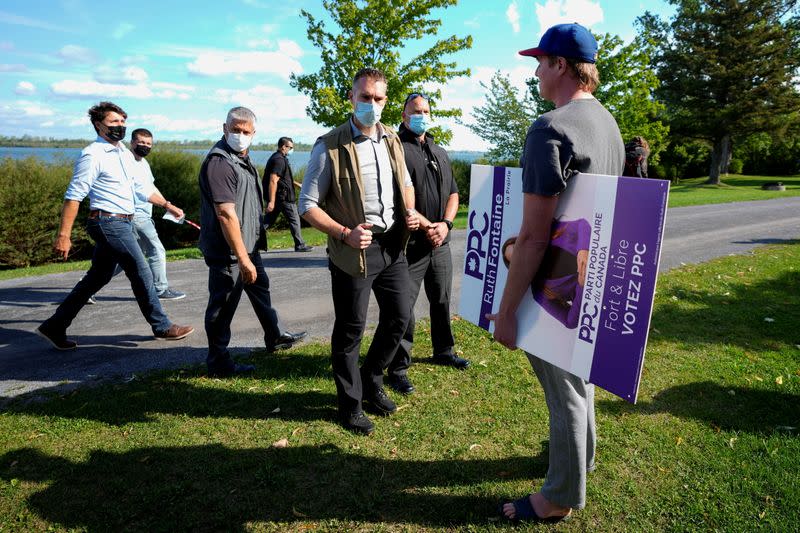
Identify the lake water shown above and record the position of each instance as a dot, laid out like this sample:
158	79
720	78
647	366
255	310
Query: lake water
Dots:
259	157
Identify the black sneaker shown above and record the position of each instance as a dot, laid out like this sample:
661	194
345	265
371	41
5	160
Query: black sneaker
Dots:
286	340
381	404
448	359
303	248
358	423
401	384
236	370
59	340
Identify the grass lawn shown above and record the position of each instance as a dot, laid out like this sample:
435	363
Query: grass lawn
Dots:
713	443
734	188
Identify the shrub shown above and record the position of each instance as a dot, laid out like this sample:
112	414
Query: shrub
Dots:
176	173
31	196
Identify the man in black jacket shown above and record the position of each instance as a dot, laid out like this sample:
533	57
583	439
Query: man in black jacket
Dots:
428	252
279	193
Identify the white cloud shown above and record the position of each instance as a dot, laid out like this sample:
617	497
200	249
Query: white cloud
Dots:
290	48
122	30
77	54
163	123
18	20
13	67
23	113
266	102
225	63
512	14
95	89
173	86
25	88
133	60
124	76
552	12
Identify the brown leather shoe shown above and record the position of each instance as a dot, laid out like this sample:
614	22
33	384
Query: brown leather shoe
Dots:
174	333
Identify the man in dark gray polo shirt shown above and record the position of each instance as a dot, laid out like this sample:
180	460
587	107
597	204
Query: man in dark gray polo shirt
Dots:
579	135
230	211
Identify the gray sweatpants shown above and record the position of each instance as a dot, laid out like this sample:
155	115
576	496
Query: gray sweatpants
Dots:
570	401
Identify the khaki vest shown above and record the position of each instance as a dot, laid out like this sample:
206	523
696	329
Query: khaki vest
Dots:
345	199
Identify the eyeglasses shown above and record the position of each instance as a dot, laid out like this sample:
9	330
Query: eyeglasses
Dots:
415	95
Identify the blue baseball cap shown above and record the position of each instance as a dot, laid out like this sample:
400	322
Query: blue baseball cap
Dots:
572	41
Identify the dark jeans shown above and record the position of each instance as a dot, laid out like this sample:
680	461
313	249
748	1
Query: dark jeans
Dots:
225	288
434	266
289	210
387	277
115	244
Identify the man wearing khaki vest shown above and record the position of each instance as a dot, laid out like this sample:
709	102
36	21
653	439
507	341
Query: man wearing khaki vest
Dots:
358	191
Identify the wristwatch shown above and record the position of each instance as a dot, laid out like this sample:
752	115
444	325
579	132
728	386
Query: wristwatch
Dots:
448	223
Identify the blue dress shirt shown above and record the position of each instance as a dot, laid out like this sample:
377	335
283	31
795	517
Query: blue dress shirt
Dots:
106	173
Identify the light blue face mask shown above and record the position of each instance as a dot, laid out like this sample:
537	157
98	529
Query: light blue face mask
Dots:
420	123
291	151
368	113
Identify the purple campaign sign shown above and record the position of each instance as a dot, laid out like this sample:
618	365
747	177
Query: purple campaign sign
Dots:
496	230
631	273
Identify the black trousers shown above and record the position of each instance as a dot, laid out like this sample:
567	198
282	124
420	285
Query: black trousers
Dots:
225	288
387	277
434	267
289	210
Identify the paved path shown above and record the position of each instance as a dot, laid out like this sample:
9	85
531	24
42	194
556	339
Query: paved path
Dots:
115	341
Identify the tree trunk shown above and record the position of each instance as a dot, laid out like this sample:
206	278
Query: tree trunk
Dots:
720	158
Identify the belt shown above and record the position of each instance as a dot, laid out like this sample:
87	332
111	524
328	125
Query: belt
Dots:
98	213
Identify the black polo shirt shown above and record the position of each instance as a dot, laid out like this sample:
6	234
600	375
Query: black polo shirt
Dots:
279	164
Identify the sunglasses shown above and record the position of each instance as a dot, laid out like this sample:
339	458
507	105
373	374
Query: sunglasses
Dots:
415	95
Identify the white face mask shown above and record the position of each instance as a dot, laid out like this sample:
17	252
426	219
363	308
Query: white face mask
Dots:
239	142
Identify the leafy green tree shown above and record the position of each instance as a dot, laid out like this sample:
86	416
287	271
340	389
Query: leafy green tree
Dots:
372	33
727	70
626	89
504	119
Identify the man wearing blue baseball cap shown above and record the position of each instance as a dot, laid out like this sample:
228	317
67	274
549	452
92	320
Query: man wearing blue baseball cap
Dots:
580	135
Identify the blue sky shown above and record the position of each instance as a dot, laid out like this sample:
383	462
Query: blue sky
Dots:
177	66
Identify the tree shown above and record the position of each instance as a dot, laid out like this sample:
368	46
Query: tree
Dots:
504	119
727	70
626	88
371	33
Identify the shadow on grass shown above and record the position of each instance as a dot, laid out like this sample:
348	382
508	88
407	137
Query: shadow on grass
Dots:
139	401
727	408
211	487
733	319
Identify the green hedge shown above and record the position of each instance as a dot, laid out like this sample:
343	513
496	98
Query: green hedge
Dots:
31	196
32	193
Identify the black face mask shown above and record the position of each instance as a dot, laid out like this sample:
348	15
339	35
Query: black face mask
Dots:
115	133
141	150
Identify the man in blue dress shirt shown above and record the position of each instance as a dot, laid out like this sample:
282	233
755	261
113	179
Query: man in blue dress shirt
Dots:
104	172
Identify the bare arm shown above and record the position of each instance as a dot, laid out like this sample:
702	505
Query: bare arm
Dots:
273	189
537	217
63	241
229	222
413	219
158	199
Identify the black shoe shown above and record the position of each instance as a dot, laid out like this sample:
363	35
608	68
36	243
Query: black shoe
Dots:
381	404
59	340
286	340
401	384
233	371
358	423
303	248
449	359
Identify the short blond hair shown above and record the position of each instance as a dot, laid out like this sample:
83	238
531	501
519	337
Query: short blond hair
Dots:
586	73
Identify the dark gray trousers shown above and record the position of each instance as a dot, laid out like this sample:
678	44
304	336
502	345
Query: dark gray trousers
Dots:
434	267
225	288
289	210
